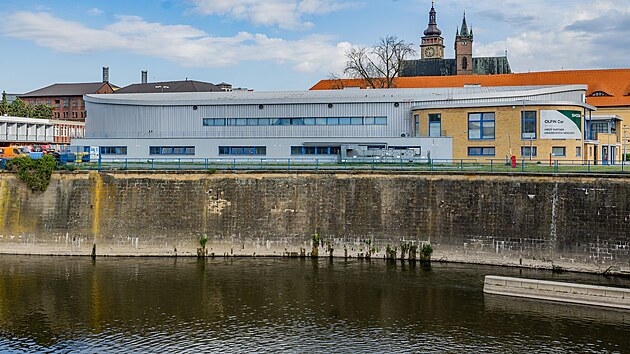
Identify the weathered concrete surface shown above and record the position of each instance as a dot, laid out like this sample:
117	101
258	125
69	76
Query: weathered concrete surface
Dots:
577	223
556	291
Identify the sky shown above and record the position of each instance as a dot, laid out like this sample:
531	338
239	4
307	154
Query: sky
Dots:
277	45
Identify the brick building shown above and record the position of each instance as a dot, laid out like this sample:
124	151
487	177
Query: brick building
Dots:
66	99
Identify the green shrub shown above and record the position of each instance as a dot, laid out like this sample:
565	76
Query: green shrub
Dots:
35	173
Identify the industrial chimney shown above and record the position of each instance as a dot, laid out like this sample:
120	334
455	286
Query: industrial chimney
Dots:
144	76
106	74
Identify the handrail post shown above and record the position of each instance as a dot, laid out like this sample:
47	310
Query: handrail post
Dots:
491	165
316	164
523	165
555	167
461	165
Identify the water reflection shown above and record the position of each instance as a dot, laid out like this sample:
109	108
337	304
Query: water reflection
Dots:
303	305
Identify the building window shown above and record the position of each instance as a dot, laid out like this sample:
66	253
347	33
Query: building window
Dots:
558	151
435	125
481	126
295	121
481	151
528	125
599	127
113	150
315	150
211	122
171	150
65	103
528	151
242	150
416	124
464	63
578	151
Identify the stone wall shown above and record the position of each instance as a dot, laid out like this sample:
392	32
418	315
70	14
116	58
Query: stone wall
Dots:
575	222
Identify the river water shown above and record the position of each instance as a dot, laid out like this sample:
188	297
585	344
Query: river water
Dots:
62	304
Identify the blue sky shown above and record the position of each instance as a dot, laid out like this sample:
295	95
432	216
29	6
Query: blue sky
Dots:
285	44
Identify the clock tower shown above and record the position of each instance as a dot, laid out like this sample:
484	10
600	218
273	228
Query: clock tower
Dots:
432	46
463	49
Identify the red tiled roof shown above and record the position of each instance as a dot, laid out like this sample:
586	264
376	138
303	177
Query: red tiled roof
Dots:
615	82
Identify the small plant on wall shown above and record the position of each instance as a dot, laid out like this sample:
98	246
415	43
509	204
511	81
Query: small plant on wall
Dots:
35	173
315	251
203	240
425	252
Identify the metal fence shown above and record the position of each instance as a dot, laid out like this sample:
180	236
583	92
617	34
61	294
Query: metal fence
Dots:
406	164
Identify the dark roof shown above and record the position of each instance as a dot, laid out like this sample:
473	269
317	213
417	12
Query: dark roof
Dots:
446	67
170	86
76	89
428	67
433	29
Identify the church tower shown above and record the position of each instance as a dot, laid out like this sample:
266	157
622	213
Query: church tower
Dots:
463	49
432	46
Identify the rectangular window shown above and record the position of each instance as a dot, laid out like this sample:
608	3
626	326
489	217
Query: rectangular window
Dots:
528	125
435	125
356	121
113	150
242	150
481	151
345	121
332	121
578	151
65	103
210	122
481	126
380	120
171	150
528	151
315	150
416	124
558	151
599	127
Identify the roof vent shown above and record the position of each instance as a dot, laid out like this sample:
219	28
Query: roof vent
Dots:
471	85
143	77
599	94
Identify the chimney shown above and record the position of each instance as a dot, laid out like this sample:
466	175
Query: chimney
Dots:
144	76
106	74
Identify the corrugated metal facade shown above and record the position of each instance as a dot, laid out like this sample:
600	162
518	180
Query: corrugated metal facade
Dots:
172	118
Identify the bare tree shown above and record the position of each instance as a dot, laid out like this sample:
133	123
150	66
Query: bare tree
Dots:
378	65
337	81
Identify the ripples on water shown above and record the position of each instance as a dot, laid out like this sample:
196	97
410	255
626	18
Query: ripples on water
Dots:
287	305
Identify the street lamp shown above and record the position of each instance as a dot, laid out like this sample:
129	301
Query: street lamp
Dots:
162	87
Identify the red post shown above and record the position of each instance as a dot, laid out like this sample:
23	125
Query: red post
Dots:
513	161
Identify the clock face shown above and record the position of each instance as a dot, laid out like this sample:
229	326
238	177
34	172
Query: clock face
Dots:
464	43
429	52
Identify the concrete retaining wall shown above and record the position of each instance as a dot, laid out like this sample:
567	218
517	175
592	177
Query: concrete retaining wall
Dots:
577	223
556	291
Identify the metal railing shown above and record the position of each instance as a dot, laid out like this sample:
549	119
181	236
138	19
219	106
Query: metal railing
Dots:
330	164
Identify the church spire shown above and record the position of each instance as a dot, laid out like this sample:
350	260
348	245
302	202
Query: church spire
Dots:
432	30
464	32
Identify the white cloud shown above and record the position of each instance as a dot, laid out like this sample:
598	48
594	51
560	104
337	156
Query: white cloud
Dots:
286	14
181	44
95	12
591	35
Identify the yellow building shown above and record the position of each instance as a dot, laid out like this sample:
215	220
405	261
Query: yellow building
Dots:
606	133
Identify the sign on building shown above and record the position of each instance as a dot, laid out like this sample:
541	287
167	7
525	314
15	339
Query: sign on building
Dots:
560	124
